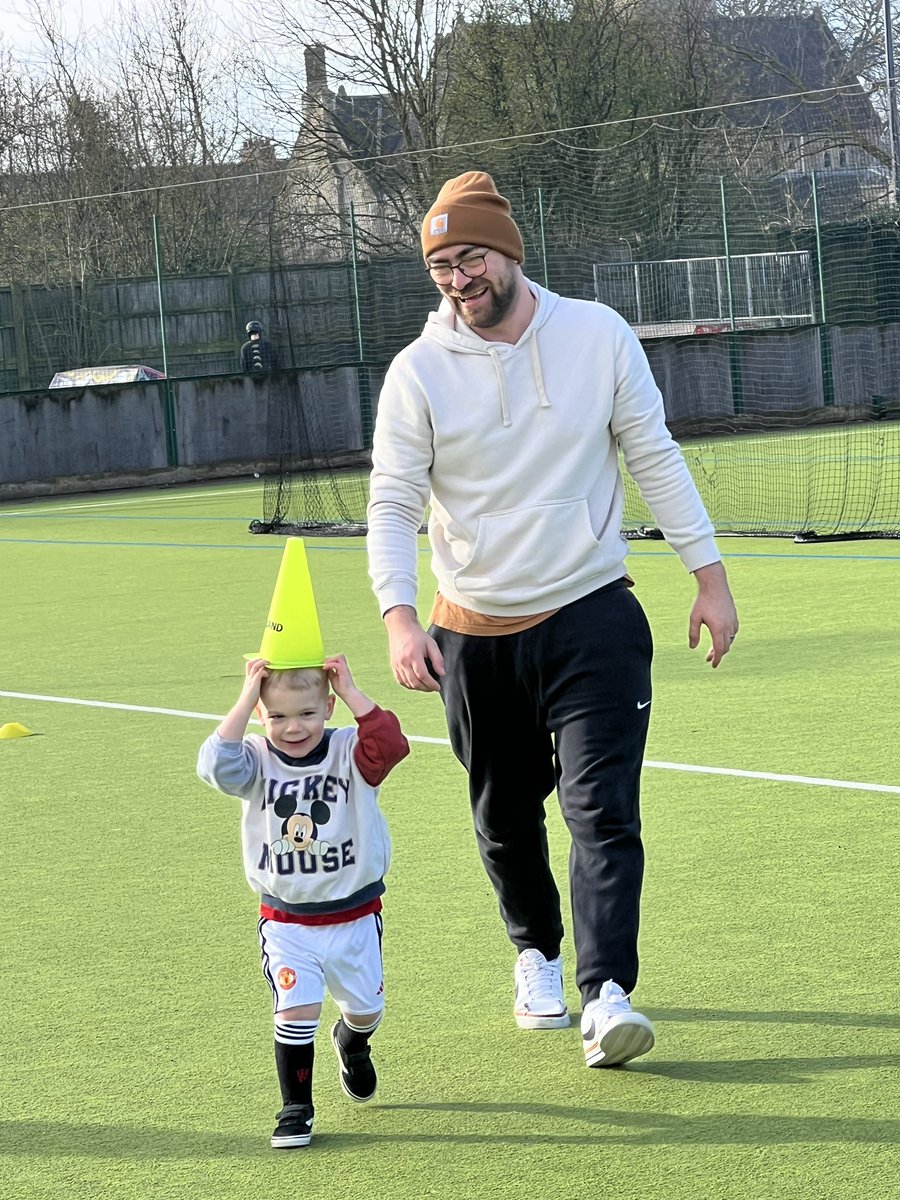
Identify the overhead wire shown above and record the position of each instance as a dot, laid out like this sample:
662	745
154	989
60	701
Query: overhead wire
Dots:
523	138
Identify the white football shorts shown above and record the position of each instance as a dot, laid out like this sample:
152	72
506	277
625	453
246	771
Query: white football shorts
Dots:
301	962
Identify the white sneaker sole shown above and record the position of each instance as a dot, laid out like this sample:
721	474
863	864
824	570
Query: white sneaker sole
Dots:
291	1142
621	1039
542	1020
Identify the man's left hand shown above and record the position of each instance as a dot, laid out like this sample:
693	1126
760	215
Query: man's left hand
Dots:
714	608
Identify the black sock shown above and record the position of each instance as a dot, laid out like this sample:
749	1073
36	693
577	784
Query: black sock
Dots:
352	1040
294	1062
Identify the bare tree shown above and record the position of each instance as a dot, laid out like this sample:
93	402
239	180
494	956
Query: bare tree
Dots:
518	68
356	89
96	138
182	113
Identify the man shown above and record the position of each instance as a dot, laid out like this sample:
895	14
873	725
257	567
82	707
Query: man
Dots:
258	353
506	416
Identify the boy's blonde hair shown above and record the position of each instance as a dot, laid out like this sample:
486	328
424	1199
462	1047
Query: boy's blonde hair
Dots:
297	679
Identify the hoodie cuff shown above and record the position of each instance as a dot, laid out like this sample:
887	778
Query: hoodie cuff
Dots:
395	594
699	554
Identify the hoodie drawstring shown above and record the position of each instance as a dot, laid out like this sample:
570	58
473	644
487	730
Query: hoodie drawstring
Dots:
538	374
501	380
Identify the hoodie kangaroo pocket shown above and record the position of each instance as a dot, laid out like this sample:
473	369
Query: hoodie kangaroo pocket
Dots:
524	554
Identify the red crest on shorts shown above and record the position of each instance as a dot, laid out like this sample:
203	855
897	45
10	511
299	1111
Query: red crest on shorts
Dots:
286	978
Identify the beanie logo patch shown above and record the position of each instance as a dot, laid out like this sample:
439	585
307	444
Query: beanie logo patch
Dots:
438	224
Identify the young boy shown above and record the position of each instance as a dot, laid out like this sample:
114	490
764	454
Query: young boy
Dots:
316	848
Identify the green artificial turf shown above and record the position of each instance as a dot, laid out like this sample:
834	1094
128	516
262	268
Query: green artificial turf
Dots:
137	1047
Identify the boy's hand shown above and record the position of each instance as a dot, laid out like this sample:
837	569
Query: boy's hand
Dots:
339	676
255	672
234	725
342	685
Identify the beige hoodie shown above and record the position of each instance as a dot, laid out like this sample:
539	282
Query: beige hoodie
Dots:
516	450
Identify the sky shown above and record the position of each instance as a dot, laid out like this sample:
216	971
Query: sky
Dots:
89	16
92	22
75	14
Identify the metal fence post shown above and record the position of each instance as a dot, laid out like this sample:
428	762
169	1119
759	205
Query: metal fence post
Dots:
540	197
20	336
362	374
819	266
824	332
729	279
168	399
233	298
734	350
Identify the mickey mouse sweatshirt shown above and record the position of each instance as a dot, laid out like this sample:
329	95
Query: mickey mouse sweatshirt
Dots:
315	843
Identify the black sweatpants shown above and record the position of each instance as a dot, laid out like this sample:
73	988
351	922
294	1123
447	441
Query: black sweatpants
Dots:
564	704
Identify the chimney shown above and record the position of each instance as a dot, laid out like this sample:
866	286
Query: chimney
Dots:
316	77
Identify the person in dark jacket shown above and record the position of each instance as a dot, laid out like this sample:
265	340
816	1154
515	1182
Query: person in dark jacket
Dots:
257	354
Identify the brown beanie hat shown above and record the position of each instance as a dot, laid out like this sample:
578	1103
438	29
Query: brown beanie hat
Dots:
469	211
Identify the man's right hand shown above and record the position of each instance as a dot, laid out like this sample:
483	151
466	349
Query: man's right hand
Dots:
416	659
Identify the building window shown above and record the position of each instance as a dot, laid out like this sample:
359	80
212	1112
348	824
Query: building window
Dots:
826	159
842	157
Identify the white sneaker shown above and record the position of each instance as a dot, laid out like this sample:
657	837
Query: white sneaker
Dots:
540	1003
612	1033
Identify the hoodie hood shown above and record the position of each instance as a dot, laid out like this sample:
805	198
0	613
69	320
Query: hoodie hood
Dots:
442	326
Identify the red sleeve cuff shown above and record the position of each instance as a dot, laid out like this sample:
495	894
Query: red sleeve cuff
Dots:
381	745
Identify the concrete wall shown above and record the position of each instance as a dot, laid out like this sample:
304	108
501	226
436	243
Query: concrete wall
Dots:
703	378
81	432
866	363
253	418
79	439
693	375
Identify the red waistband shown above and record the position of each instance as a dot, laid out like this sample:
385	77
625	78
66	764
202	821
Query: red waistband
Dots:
332	918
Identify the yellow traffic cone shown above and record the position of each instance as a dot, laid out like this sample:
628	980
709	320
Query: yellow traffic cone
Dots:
13	730
292	637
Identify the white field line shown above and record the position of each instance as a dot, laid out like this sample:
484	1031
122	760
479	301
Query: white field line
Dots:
810	780
145	498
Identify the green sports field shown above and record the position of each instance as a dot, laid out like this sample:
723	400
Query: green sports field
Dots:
137	1058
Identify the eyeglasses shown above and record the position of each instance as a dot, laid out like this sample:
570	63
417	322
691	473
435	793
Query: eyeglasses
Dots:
471	266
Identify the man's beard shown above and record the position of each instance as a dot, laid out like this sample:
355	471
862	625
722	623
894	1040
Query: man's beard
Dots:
502	297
